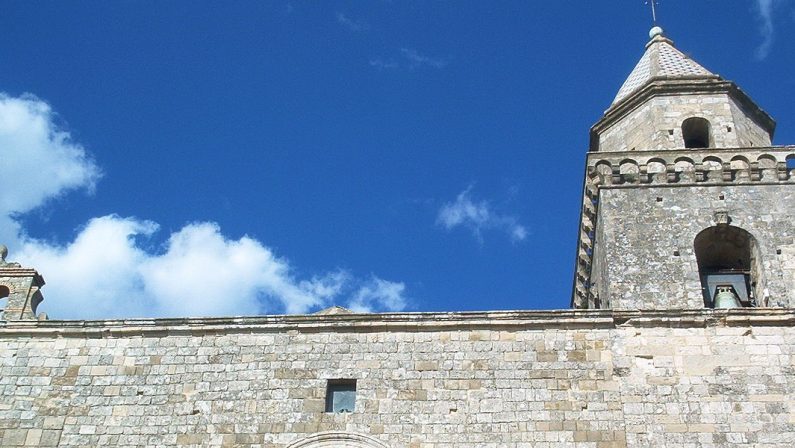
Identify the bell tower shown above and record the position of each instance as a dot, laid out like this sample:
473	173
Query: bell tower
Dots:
20	290
686	202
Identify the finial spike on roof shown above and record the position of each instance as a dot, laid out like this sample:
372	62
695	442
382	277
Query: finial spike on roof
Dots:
653	4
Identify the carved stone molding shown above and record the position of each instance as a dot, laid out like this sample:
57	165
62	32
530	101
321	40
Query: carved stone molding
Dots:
721	217
689	167
337	440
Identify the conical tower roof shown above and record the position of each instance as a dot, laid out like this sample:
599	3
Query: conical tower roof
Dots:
666	88
661	61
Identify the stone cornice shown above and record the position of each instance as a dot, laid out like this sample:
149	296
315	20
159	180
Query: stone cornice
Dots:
726	166
402	322
10	270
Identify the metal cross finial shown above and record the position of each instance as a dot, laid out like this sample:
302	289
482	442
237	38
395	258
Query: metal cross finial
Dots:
653	4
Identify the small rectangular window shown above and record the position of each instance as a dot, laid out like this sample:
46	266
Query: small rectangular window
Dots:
341	396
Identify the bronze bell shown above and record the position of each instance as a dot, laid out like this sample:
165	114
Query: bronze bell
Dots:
726	298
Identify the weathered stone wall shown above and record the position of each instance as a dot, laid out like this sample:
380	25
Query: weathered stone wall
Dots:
747	132
652	260
787	257
707	378
666	213
599	297
657	124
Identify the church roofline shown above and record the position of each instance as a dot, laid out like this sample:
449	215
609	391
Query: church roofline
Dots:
404	322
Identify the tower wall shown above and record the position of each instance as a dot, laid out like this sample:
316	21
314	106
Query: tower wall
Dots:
642	211
657	124
647	236
747	132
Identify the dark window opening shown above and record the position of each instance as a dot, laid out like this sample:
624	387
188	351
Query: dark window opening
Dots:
4	293
791	163
696	132
728	266
341	396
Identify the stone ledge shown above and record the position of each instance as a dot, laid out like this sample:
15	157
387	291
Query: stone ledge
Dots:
10	270
712	166
404	322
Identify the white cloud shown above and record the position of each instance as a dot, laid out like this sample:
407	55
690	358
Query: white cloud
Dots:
106	271
223	277
39	160
383	64
478	216
378	294
409	58
96	275
351	24
764	10
415	59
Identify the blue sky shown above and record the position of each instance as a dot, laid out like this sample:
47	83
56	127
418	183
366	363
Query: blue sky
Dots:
222	158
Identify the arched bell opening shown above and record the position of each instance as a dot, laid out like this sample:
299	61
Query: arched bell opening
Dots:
696	132
4	293
728	264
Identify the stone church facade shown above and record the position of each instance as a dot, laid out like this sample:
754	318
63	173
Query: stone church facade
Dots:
681	331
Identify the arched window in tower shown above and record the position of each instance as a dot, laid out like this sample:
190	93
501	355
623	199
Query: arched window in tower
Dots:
696	132
4	293
791	162
728	264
